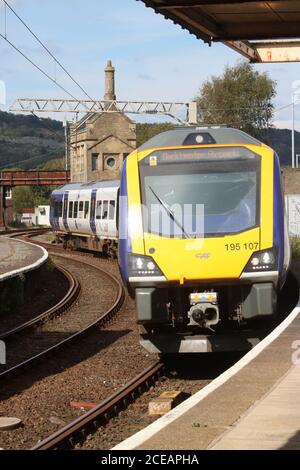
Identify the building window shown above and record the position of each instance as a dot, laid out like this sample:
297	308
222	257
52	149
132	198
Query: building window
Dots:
110	160
7	192
95	161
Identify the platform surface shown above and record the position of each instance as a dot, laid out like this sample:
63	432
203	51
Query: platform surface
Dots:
271	424
17	256
256	407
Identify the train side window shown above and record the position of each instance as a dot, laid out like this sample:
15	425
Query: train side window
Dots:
86	209
75	210
98	210
65	207
70	209
80	211
60	209
105	210
111	212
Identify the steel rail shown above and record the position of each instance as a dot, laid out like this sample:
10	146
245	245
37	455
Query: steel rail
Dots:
101	413
69	298
19	232
101	321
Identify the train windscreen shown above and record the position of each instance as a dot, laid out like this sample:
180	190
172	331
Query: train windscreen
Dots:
193	194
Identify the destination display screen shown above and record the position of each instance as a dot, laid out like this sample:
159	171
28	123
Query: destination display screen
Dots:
184	155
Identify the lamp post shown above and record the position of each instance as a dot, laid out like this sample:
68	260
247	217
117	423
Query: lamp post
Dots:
293	131
295	100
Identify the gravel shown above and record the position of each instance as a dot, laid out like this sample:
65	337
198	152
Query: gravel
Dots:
86	371
88	308
43	291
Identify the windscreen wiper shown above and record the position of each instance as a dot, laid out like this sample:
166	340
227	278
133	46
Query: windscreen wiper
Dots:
169	212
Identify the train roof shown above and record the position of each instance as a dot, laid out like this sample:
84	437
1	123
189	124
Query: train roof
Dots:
197	135
90	185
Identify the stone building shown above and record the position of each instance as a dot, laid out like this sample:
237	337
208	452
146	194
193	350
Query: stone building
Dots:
100	142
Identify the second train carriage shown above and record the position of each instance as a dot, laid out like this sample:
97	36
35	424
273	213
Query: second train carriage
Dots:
84	215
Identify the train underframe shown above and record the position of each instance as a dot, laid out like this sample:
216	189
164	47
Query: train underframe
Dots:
204	319
107	246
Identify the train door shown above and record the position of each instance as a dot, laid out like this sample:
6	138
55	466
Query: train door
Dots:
108	215
85	210
93	210
65	211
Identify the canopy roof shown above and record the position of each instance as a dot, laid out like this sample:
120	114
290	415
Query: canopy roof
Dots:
261	31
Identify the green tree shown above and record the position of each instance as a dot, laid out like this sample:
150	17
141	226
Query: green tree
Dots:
241	98
55	164
23	196
145	131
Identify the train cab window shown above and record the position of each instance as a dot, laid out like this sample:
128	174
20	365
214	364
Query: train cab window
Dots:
75	210
98	210
58	206
86	209
70	209
111	211
105	210
80	211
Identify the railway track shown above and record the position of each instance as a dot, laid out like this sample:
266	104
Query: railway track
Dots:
78	429
63	305
24	232
70	297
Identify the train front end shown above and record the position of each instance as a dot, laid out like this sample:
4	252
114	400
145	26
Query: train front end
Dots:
202	238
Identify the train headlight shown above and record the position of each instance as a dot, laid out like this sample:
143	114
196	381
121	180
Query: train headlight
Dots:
139	265
268	258
264	260
255	261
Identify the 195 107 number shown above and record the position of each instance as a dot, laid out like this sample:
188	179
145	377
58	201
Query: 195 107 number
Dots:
242	246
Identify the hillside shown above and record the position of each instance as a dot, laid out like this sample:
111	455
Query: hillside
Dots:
27	142
281	141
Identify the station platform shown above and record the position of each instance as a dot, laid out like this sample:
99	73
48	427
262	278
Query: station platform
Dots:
18	257
253	405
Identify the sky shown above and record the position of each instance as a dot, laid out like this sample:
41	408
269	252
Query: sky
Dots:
154	59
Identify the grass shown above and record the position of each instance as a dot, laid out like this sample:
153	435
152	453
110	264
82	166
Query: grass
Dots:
295	247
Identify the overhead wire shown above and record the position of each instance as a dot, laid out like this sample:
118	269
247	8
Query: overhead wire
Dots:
37	67
46	49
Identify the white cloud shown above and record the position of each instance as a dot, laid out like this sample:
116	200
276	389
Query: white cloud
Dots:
286	124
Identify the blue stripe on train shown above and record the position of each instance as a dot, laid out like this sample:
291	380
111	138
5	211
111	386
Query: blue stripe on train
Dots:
278	213
124	241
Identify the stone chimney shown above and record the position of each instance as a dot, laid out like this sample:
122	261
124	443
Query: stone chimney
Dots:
109	81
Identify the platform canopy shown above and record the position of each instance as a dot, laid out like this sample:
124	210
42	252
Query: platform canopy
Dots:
260	31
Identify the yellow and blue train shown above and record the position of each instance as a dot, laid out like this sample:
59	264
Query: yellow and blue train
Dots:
198	219
203	238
